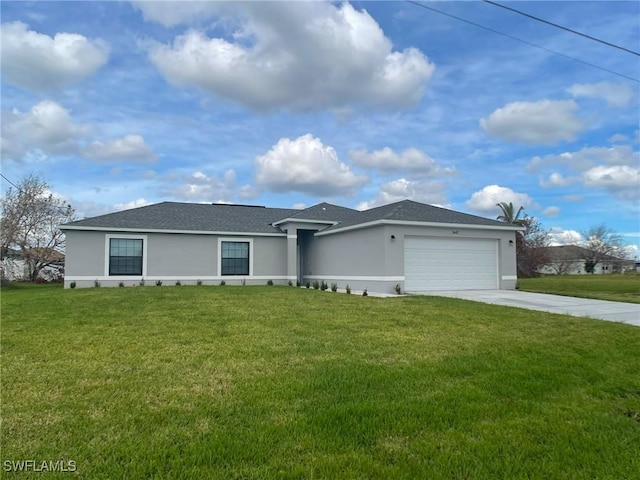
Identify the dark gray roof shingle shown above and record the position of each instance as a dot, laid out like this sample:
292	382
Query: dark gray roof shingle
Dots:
192	217
252	219
410	211
325	212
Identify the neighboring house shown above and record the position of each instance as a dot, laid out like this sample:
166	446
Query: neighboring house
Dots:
571	260
14	266
418	246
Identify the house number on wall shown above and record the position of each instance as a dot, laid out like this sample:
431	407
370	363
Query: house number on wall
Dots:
455	232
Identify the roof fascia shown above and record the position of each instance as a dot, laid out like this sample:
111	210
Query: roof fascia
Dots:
153	230
302	220
410	223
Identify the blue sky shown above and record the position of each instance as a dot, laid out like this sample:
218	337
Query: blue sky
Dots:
286	104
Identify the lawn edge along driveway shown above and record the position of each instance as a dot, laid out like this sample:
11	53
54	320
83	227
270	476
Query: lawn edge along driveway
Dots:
628	313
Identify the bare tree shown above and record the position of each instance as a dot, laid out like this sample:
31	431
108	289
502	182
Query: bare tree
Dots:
30	215
531	251
561	266
602	244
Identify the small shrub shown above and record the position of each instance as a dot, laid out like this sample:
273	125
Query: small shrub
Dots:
96	284
178	283
398	289
316	285
244	282
199	283
158	283
307	284
269	282
323	286
348	289
334	287
222	283
142	282
290	283
297	283
121	284
72	284
365	293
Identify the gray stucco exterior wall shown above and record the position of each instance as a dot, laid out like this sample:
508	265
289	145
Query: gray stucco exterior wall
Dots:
172	257
371	258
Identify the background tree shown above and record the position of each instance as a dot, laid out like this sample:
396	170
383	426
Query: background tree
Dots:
509	215
531	247
531	252
602	243
29	219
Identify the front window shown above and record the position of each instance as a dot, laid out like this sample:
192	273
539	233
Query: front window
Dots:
125	256
235	258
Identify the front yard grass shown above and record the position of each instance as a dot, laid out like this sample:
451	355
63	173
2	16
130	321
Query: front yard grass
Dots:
618	287
279	382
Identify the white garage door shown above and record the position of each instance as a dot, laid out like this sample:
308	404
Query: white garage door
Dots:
450	264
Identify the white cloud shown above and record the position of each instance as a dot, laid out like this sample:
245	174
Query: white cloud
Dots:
39	62
430	192
615	94
301	56
47	127
138	202
201	187
551	211
618	137
556	180
411	160
588	157
615	169
305	165
622	180
545	122
560	236
128	148
486	200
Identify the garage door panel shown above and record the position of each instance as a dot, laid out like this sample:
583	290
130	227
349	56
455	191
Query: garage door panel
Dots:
433	263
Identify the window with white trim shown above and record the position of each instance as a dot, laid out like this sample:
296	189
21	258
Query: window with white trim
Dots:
234	258
125	256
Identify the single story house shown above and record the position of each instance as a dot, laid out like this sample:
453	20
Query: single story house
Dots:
416	246
14	265
572	260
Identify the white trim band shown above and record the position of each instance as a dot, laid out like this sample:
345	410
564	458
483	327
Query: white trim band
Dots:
357	278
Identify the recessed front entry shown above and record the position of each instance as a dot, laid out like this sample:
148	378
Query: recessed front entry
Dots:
435	263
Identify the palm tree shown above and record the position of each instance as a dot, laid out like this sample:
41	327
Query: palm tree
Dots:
508	215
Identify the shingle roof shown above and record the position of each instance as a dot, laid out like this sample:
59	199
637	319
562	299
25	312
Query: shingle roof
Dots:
410	211
324	212
191	217
574	253
252	219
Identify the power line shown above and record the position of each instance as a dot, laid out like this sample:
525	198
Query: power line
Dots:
522	41
41	200
563	28
9	181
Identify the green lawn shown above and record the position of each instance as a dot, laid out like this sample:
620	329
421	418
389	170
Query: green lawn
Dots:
619	288
278	382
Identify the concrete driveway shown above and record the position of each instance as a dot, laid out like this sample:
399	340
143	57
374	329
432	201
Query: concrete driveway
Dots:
578	307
